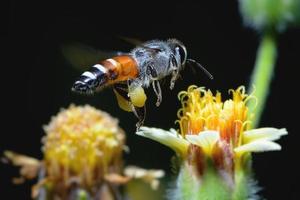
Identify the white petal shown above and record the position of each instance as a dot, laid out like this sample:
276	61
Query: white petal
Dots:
258	146
168	138
172	130
269	134
205	139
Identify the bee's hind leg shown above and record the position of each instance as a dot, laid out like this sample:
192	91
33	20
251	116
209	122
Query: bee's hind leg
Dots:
157	90
140	113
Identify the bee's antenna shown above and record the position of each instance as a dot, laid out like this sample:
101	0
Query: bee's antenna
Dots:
201	67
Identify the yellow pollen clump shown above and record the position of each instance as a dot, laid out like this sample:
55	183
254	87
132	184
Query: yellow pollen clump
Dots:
84	143
201	111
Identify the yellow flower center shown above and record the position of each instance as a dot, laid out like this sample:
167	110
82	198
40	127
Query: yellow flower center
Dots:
82	142
201	111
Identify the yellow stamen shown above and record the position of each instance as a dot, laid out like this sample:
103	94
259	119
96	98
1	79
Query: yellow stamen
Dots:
201	110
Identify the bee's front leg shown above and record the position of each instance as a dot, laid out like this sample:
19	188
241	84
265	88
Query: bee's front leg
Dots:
151	71
175	72
157	90
175	75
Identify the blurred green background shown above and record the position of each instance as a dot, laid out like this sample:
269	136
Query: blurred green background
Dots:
39	78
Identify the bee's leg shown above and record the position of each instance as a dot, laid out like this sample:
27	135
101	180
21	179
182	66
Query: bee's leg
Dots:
140	113
157	90
137	102
121	92
122	88
151	71
175	76
175	72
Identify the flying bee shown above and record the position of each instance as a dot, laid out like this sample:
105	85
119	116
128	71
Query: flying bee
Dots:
130	73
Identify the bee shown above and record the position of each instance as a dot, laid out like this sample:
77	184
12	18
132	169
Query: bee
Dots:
130	73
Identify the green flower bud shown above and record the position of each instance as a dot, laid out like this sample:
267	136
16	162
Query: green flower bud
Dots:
270	14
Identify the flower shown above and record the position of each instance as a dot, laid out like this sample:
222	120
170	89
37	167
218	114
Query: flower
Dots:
29	166
149	176
83	149
83	142
216	134
205	120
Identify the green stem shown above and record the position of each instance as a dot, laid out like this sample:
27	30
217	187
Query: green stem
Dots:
262	74
209	186
215	184
82	195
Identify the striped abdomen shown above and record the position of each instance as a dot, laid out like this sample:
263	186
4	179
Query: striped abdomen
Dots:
110	71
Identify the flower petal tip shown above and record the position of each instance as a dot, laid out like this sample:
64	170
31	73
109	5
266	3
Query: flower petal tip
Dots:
283	131
269	134
258	146
168	138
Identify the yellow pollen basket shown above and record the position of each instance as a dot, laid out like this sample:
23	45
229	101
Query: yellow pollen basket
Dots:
137	96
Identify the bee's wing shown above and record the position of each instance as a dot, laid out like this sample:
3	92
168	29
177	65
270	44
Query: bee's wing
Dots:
130	40
140	43
82	56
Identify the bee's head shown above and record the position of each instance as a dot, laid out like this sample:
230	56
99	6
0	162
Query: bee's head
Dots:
179	51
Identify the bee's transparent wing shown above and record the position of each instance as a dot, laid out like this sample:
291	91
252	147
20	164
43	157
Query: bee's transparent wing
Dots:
82	57
130	40
139	43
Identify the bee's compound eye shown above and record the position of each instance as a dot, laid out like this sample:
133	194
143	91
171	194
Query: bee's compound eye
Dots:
182	53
